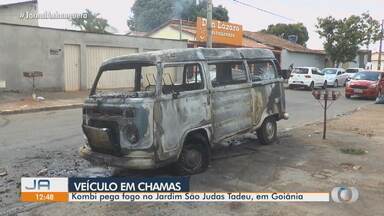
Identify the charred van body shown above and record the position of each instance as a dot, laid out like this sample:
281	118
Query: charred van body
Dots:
151	109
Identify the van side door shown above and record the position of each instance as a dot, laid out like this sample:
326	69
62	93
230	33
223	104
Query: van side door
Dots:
184	104
231	98
267	90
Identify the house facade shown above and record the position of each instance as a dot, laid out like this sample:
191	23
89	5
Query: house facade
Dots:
68	59
375	61
15	12
286	52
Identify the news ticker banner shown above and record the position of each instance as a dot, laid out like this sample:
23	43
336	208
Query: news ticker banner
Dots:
161	189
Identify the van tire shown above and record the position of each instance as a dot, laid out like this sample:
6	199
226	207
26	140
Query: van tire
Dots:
267	133
195	148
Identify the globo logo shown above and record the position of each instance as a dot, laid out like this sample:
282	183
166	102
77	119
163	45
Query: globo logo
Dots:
344	194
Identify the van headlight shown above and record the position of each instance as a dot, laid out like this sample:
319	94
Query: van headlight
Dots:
131	133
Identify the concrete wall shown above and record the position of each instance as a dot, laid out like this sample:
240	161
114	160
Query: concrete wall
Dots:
24	48
301	59
11	13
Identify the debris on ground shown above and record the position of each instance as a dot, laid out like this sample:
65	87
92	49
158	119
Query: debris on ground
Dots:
3	172
380	100
42	172
350	166
324	174
353	151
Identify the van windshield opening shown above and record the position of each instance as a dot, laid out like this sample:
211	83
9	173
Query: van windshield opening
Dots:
133	80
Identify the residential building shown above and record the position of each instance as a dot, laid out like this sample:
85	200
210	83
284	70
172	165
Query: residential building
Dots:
69	59
186	30
375	61
288	53
15	12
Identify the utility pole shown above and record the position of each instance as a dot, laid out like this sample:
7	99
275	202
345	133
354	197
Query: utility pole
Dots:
209	24
381	45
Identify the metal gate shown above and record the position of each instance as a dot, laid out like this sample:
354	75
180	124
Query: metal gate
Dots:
71	67
96	55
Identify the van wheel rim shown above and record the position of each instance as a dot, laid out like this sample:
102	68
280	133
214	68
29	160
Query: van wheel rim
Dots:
270	130
193	159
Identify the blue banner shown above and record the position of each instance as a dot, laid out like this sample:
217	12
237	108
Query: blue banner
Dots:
121	184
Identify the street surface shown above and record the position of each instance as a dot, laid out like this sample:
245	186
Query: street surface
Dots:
46	143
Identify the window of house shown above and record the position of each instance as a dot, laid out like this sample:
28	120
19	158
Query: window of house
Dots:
264	70
182	77
227	73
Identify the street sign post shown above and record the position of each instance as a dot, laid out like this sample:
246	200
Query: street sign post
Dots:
325	96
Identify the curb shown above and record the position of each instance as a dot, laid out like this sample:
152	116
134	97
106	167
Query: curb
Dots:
40	109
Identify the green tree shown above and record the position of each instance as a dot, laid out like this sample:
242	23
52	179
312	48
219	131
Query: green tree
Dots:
344	37
149	14
91	22
371	30
285	30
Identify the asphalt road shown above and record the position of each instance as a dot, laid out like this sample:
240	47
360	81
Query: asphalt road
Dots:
304	109
59	130
47	143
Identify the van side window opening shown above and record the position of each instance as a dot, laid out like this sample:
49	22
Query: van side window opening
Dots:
182	77
228	73
262	71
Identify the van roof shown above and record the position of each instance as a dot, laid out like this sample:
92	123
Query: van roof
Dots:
190	54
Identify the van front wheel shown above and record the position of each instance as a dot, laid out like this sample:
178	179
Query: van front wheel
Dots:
194	157
267	133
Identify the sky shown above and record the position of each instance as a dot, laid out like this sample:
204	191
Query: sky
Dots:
305	11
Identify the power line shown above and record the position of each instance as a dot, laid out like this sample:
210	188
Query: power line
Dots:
263	10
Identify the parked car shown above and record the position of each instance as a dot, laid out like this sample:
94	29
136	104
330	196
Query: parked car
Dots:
309	77
366	84
200	98
335	76
352	71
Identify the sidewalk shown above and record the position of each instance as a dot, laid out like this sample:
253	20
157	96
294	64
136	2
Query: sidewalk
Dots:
14	103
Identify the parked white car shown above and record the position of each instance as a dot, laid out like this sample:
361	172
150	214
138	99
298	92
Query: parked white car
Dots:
352	71
309	77
335	76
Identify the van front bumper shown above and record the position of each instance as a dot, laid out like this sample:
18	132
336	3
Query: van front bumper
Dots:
140	160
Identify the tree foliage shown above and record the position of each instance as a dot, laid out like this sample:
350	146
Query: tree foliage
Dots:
285	30
91	22
343	37
149	14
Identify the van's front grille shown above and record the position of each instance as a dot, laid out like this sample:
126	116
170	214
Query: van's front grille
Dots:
105	111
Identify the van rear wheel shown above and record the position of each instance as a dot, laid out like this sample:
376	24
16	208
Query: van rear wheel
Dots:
194	157
267	133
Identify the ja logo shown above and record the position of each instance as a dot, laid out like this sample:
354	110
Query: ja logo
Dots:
344	194
38	184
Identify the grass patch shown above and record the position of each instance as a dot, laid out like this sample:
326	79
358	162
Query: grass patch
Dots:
353	151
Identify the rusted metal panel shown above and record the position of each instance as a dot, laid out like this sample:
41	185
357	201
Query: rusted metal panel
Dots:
231	110
189	110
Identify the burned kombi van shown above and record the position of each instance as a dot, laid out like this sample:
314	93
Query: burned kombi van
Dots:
152	109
